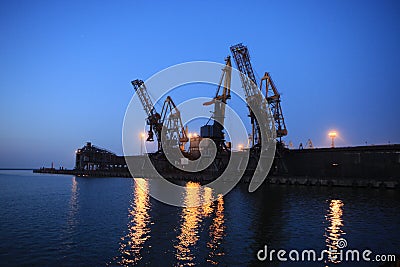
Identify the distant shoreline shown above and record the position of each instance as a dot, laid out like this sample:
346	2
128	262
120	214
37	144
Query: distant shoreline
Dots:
16	169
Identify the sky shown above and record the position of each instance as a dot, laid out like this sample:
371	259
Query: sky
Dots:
66	67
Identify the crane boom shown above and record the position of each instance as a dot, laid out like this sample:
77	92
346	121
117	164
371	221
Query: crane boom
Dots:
141	90
242	58
153	117
253	95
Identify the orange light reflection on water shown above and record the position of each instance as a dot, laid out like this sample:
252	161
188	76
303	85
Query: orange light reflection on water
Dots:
217	232
192	218
138	226
334	231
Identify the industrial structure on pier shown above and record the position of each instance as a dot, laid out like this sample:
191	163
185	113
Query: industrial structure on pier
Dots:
90	157
170	127
356	165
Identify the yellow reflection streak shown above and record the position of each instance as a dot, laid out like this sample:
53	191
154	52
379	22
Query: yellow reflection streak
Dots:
207	200
334	231
73	203
72	221
217	232
138	226
191	217
199	205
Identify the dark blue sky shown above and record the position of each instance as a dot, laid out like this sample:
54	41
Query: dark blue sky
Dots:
66	66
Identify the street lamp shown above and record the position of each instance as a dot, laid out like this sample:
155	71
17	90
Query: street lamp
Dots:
142	136
332	135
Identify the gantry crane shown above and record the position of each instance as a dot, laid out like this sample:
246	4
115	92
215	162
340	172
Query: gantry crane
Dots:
175	133
215	131
249	83
253	96
274	101
170	126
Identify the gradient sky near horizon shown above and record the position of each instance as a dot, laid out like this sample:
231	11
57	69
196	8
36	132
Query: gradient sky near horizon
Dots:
66	67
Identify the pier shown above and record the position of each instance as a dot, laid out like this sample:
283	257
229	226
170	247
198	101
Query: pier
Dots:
364	166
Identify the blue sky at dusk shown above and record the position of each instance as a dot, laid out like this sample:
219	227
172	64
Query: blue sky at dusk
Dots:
66	67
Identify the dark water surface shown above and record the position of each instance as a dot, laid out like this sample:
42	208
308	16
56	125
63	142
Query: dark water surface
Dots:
48	220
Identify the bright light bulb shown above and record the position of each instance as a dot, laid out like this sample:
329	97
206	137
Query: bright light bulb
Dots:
332	134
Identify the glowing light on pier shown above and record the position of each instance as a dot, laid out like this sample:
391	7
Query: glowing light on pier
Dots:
332	135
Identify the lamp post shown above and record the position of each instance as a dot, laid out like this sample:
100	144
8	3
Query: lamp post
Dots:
332	135
142	136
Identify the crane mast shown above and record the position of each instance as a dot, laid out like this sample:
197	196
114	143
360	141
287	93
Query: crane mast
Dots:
220	99
215	131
